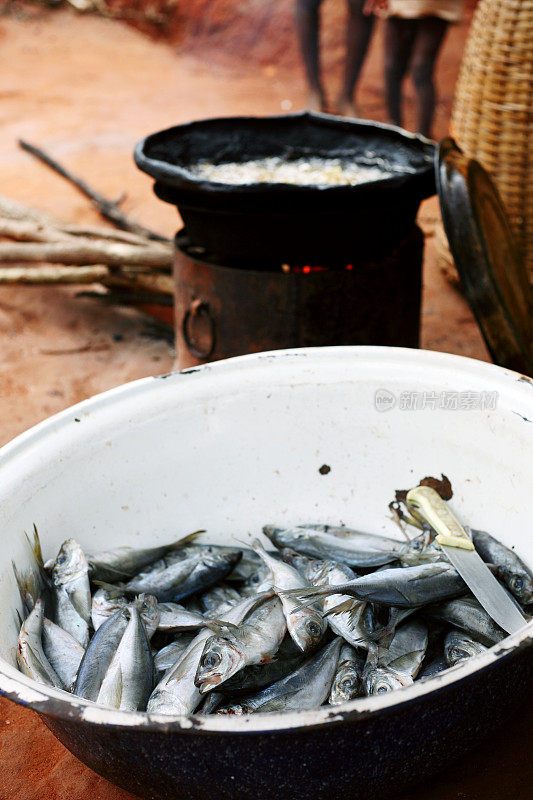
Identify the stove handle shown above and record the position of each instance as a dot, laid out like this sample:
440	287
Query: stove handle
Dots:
198	309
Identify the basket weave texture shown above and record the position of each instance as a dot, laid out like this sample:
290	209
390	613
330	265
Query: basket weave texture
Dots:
492	118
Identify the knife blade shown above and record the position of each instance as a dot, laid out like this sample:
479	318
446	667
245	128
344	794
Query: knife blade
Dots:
459	548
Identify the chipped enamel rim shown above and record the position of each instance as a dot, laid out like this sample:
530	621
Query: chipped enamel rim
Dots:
63	706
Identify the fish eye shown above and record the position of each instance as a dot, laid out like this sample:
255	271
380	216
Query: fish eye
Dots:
313	629
381	688
347	684
458	652
517	584
211	660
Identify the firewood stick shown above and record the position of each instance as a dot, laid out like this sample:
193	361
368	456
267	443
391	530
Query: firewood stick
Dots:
13	212
48	274
93	231
86	252
109	209
29	231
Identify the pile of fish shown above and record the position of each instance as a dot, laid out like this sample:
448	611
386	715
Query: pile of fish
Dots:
312	171
200	628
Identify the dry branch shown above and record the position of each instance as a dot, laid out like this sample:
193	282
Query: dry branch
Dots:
131	267
47	274
28	231
109	209
18	221
86	252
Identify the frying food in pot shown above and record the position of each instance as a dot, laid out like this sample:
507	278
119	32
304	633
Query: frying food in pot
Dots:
312	171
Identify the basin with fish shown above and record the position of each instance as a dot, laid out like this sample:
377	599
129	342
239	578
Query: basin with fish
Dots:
283	437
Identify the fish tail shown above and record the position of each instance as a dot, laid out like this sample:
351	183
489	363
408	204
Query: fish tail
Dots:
29	587
346	605
190	537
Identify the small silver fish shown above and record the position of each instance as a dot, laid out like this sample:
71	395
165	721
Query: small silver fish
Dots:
99	654
509	567
398	665
176	692
352	547
308	687
347	682
459	647
72	593
129	678
122	563
30	655
348	622
256	641
186	572
305	625
469	615
404	587
63	651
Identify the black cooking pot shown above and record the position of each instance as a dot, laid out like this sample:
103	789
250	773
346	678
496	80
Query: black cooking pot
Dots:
273	223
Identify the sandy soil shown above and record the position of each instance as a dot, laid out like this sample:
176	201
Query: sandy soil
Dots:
87	89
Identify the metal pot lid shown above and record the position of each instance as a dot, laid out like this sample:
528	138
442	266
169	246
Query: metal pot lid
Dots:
481	241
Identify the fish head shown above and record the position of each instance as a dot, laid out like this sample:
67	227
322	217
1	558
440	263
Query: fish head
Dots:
380	680
519	583
219	558
70	563
149	611
459	649
104	604
306	627
346	685
221	658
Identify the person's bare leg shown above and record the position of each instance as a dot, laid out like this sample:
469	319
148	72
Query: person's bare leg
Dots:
358	34
399	40
308	25
428	42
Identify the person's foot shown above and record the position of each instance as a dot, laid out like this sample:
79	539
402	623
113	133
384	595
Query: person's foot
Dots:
316	101
346	107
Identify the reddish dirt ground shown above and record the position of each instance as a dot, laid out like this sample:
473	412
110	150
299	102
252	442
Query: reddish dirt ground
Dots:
57	90
87	89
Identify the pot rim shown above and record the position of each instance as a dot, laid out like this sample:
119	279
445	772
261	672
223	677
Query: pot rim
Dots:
181	178
63	706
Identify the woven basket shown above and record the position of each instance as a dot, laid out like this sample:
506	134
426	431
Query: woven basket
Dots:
492	117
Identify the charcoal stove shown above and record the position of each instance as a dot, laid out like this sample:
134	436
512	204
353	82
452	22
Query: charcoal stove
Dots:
262	266
226	309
